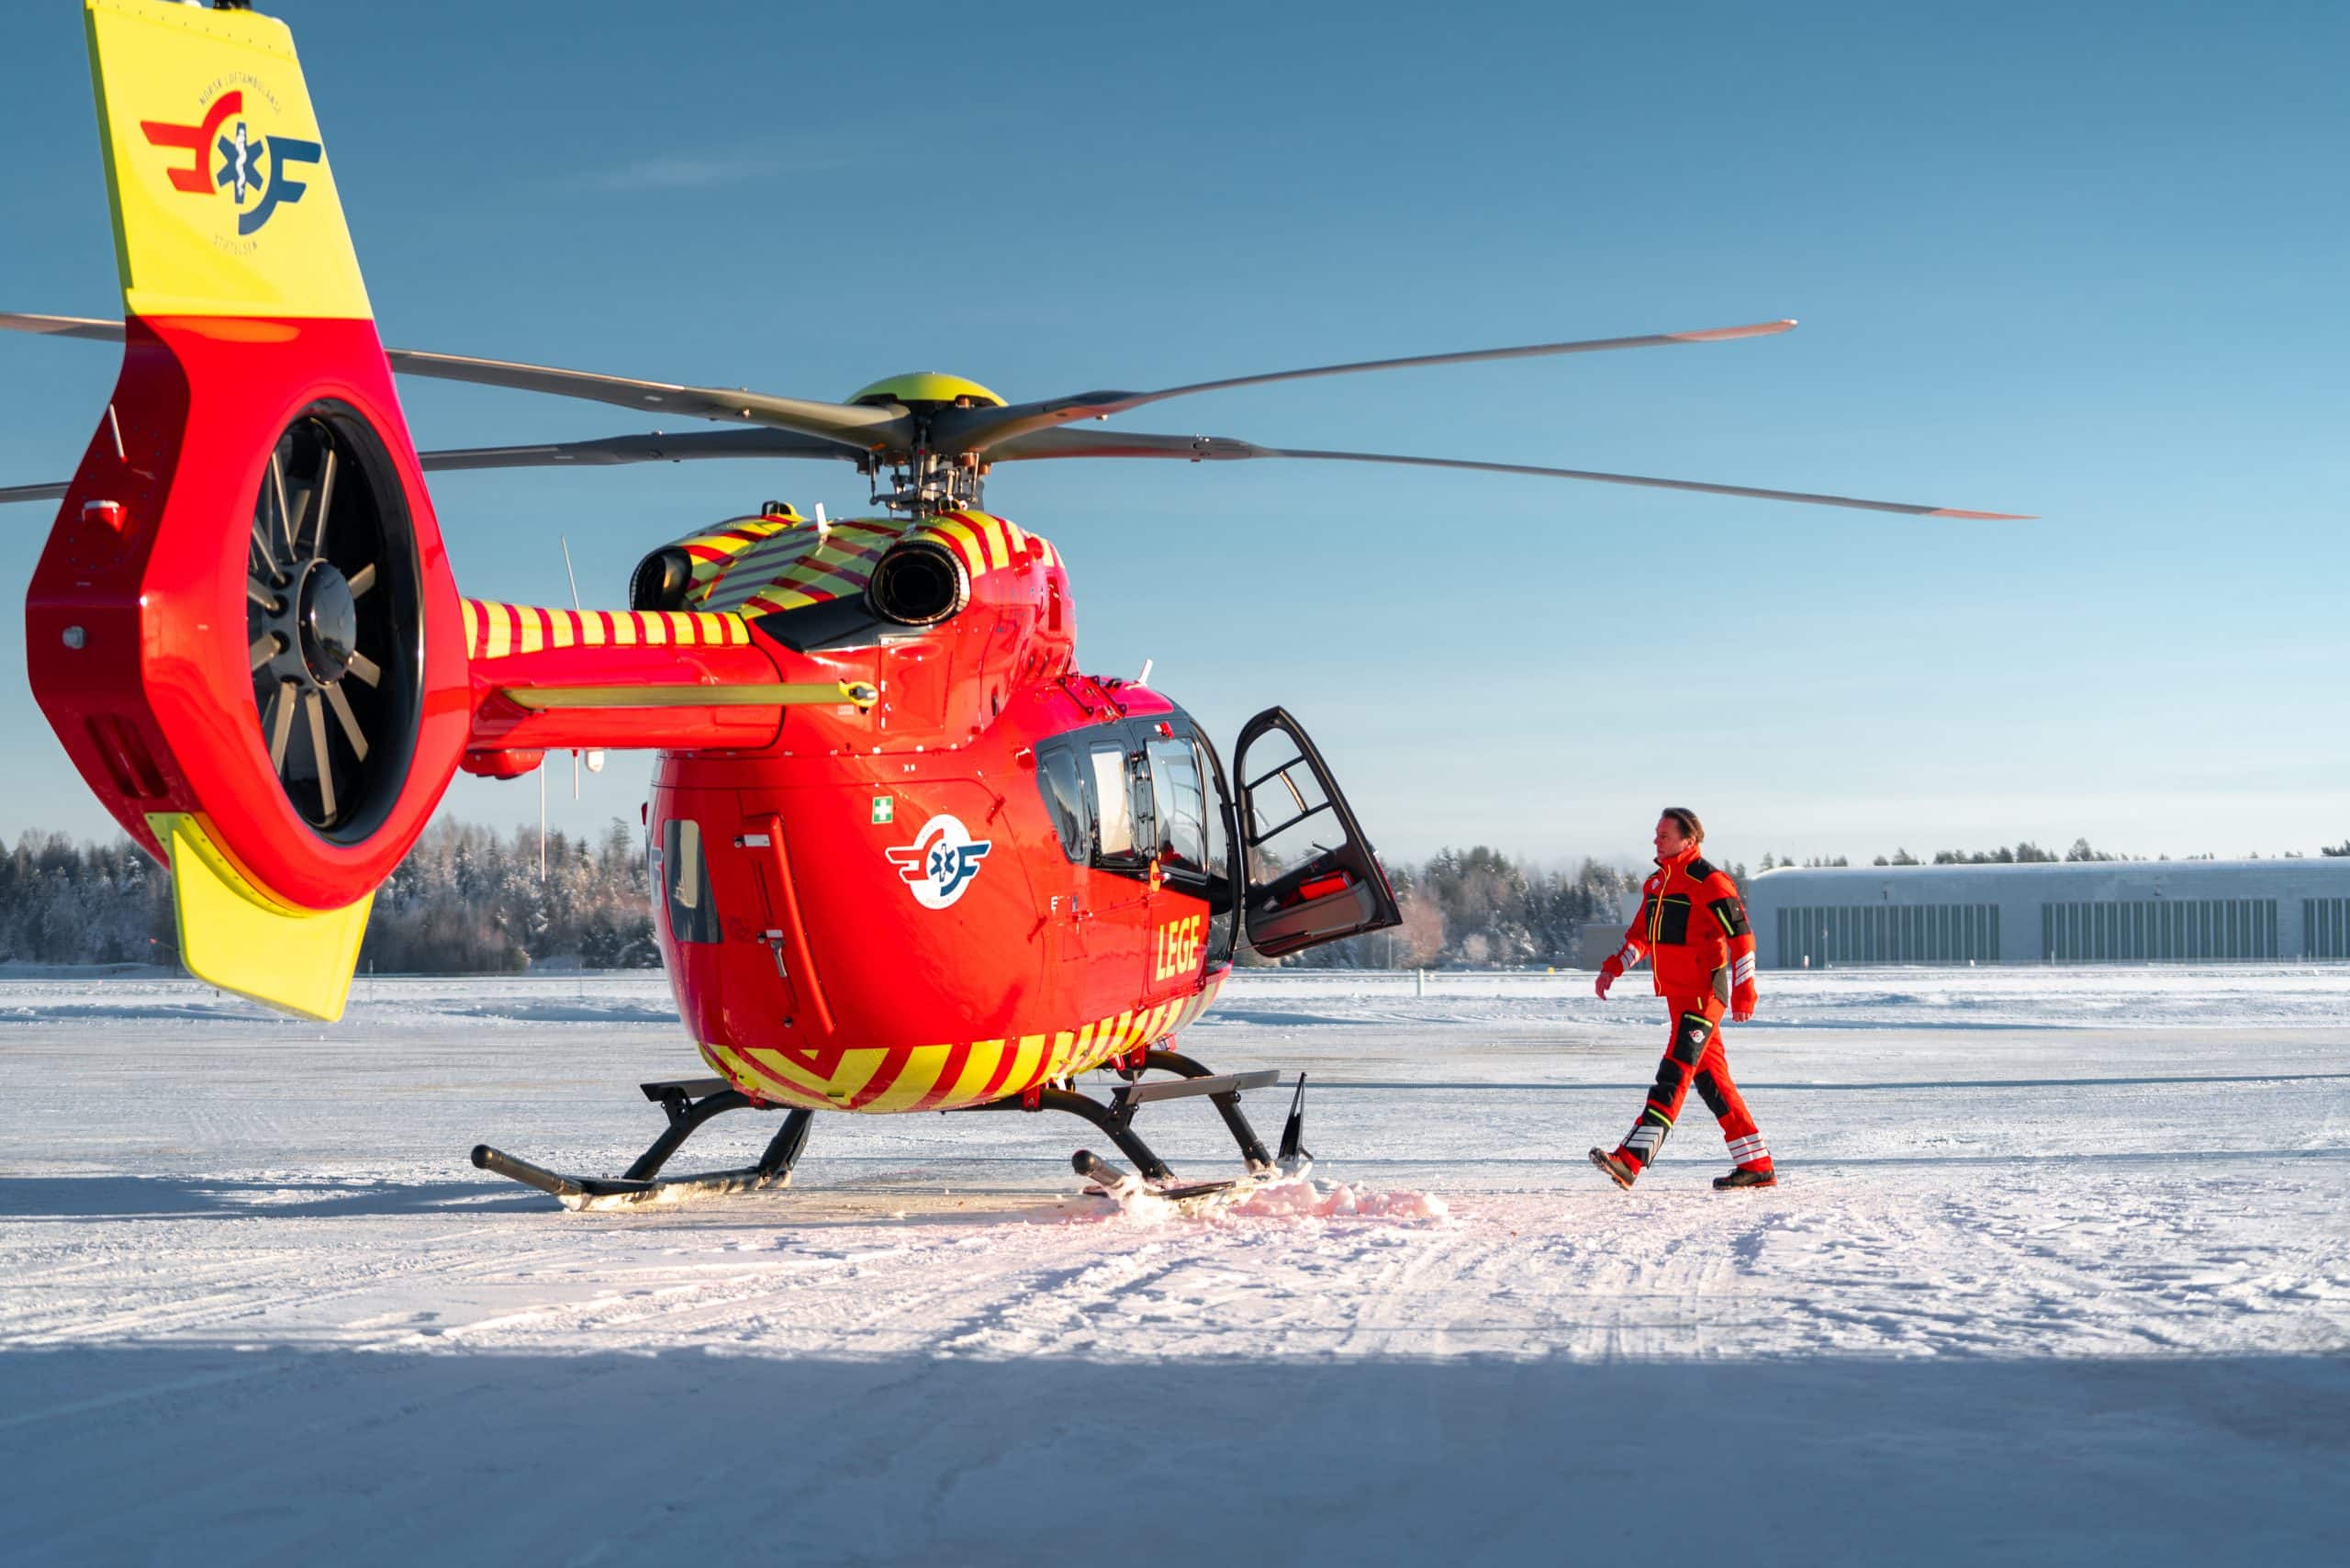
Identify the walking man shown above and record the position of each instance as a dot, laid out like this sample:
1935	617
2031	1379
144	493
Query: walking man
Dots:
1693	929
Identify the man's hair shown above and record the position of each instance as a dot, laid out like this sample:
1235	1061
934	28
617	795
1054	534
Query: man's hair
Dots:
1691	828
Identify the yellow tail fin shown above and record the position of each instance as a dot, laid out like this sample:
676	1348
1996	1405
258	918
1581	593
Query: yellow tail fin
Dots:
235	936
224	203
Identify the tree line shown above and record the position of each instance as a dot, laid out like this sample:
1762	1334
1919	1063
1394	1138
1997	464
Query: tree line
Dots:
468	900
464	901
1480	908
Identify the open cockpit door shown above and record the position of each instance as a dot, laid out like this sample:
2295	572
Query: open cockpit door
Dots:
1312	877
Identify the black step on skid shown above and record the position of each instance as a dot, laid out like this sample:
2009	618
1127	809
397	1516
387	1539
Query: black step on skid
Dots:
691	1102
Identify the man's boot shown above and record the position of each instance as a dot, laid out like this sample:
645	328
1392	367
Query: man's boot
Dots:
1742	1177
1621	1172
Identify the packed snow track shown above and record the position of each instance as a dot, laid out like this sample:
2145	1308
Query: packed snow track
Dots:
2058	1271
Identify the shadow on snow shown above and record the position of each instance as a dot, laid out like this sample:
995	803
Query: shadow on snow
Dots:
388	1456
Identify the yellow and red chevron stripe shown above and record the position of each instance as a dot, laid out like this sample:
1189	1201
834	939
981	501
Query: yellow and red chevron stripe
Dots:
762	565
882	1080
495	631
795	572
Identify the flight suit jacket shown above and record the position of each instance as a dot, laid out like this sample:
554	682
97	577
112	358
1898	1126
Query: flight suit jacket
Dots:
1692	930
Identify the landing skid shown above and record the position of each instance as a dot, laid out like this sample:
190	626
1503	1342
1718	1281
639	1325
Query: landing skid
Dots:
1119	1184
688	1104
1115	1119
691	1102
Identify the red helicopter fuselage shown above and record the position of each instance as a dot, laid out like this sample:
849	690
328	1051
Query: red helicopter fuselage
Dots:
991	872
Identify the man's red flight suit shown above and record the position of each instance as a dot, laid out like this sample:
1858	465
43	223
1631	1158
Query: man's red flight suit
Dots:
1693	929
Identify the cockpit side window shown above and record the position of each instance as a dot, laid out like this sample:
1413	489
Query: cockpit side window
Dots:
693	911
1060	779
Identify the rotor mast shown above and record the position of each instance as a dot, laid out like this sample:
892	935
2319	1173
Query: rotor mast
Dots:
923	483
917	480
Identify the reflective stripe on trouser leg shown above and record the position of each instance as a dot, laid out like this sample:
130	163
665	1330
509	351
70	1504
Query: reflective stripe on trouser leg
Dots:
1647	1137
1715	1086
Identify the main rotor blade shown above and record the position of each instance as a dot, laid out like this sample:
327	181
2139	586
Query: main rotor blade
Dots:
866	428
639	449
690	446
981	429
1219	449
62	326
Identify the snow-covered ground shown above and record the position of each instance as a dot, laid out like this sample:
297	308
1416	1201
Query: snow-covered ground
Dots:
2059	1271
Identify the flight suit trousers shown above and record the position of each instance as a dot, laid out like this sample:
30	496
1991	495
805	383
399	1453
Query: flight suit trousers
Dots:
1693	1058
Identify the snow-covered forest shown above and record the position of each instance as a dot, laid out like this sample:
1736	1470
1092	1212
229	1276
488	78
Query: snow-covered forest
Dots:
468	900
464	901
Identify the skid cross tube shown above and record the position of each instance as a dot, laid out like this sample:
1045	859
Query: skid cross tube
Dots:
1226	1102
1117	1118
687	1105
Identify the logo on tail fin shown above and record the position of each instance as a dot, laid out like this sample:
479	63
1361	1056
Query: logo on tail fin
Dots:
258	172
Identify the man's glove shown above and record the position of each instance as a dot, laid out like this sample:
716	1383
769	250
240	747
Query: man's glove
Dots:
1609	973
1743	999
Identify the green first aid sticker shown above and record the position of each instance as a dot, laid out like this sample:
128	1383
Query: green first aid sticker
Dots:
885	809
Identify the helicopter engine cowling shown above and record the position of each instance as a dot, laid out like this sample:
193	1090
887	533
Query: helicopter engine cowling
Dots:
244	627
663	580
918	582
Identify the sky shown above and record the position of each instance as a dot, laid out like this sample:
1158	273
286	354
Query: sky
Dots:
2084	262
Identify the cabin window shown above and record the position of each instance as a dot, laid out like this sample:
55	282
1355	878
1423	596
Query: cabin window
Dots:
693	913
1060	779
1177	794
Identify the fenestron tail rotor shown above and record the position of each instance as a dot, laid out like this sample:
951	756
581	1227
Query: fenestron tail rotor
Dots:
330	603
929	440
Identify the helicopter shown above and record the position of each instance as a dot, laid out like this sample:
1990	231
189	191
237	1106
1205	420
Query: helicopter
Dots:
906	855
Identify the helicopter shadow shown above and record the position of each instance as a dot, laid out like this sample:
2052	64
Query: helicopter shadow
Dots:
481	1455
211	1197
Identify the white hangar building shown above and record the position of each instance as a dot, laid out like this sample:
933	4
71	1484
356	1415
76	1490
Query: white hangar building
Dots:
2101	911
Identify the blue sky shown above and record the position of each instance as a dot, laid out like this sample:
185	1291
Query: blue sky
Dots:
2086	262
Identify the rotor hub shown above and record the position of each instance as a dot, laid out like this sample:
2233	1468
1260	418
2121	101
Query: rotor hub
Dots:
327	618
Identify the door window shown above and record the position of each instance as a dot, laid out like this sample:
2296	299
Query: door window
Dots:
1312	875
693	913
1179	802
1223	900
1113	802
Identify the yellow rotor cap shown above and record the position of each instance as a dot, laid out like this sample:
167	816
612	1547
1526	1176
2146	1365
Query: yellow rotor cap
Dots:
925	386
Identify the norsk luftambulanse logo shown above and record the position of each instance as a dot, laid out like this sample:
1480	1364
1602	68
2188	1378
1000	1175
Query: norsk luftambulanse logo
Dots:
941	861
255	172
